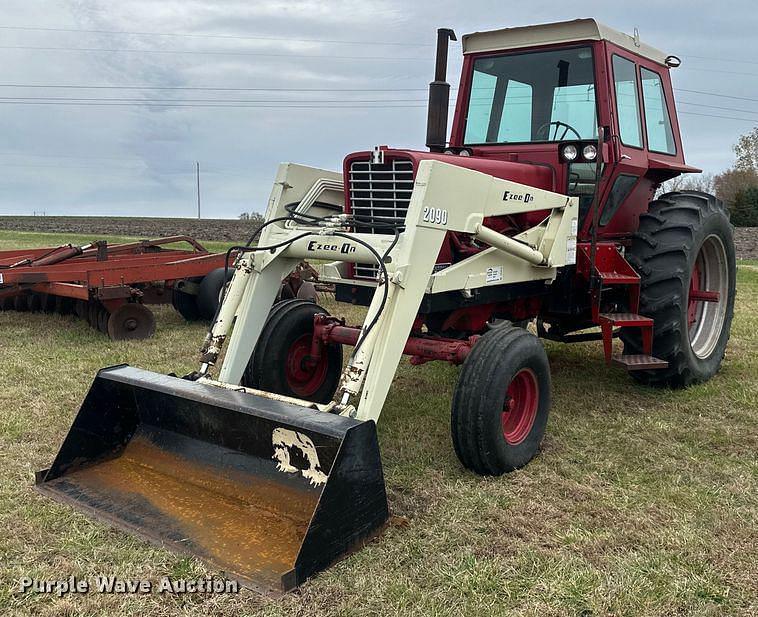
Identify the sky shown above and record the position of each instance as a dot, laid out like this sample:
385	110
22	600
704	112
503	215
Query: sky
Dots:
298	74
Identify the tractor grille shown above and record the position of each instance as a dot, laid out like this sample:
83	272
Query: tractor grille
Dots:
379	192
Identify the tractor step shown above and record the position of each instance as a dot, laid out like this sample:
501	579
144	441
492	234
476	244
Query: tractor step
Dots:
632	362
639	362
625	320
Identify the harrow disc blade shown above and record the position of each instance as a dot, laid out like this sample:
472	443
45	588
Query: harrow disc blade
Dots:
130	321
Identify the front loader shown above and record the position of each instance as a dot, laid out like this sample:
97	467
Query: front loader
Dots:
265	461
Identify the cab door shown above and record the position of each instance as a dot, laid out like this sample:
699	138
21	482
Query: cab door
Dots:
626	188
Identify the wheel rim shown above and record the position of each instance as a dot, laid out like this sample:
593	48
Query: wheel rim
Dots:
705	319
520	408
303	377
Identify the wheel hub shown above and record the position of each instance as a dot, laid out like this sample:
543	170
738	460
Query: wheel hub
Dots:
707	297
304	374
520	409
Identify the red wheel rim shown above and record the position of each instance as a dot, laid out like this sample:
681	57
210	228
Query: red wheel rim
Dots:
693	303
520	409
303	377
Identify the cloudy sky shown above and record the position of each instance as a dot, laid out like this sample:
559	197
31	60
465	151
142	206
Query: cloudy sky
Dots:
298	75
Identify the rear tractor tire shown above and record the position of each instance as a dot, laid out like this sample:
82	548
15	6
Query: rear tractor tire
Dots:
280	362
684	247
186	304
209	294
501	402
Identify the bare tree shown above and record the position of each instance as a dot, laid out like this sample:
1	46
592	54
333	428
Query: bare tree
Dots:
699	182
746	151
734	181
670	186
689	182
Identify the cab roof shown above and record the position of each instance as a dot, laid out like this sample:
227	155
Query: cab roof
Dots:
556	33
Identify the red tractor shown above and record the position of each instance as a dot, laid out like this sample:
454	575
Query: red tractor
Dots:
579	109
541	207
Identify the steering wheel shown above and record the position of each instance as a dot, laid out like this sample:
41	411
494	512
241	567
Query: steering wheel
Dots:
558	124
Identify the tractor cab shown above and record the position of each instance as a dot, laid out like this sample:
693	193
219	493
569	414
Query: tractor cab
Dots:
570	97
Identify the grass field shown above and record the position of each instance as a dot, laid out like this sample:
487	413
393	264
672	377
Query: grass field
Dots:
643	502
32	239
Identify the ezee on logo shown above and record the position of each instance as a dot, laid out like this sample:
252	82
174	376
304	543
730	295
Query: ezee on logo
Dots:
525	197
345	248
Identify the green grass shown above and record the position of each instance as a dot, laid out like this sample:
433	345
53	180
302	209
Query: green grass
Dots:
643	501
32	239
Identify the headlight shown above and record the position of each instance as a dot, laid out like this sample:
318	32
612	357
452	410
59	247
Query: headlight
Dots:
589	152
570	152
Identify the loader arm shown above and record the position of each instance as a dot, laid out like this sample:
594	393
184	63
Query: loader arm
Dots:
267	487
445	198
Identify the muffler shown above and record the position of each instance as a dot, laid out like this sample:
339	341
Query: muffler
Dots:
267	491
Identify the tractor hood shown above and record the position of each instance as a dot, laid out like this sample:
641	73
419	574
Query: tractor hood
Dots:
384	189
538	176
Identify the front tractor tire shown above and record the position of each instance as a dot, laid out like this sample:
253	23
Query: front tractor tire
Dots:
501	402
683	252
281	361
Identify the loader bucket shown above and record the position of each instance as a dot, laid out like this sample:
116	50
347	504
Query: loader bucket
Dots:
267	491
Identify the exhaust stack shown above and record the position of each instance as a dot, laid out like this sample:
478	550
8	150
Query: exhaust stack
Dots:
439	95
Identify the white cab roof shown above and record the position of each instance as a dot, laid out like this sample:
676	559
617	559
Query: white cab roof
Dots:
560	32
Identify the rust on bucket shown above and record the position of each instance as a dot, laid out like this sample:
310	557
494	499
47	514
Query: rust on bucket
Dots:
241	523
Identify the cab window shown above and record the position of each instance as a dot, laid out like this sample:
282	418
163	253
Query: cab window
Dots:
528	97
627	101
660	137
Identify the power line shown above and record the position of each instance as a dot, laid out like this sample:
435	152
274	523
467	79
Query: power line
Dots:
274	38
171	101
216	36
723	96
720	71
729	60
281	107
221	104
692	113
244	89
208	88
220	52
746	111
210	52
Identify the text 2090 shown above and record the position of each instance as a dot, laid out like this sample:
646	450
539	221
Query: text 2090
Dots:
434	215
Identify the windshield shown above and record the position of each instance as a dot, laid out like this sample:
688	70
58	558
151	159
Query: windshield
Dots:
532	97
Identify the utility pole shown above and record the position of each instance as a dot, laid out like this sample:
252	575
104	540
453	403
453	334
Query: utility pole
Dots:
197	175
